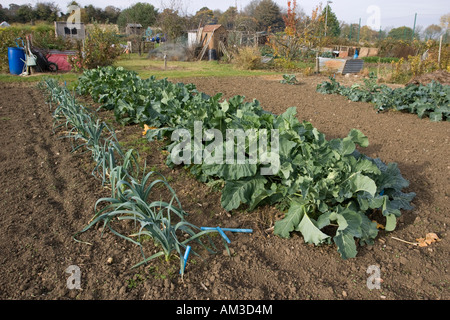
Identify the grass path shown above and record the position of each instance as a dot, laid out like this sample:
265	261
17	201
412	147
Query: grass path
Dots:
146	68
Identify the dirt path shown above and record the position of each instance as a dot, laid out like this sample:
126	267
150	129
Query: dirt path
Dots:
50	195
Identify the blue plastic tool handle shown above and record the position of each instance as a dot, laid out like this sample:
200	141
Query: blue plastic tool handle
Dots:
186	255
23	44
228	229
223	234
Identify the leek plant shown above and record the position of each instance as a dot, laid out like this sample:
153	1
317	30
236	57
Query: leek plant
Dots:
131	197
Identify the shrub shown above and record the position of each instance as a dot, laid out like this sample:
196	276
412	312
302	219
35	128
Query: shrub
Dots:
101	48
398	48
248	58
284	64
308	71
379	59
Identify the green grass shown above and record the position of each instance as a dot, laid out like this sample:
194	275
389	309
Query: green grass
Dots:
304	64
146	68
181	69
380	59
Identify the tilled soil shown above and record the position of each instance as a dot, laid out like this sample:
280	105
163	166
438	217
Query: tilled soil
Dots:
49	195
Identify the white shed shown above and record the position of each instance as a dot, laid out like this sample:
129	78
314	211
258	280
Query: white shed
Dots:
193	38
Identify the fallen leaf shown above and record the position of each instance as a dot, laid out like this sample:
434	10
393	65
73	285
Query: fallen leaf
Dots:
146	128
421	242
429	239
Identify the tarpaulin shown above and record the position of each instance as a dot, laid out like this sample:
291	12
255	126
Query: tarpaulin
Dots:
61	59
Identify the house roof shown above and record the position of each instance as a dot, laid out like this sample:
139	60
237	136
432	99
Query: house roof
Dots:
211	27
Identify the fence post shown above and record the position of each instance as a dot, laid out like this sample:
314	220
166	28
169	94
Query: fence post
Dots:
359	29
317	62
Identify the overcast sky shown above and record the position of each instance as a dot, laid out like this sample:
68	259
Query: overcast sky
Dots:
391	13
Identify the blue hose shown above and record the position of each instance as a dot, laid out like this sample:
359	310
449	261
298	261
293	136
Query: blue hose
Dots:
186	255
228	229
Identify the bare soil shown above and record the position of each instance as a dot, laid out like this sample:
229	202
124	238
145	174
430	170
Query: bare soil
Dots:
49	195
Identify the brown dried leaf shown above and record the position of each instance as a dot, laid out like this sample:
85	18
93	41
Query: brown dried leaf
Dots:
421	242
429	239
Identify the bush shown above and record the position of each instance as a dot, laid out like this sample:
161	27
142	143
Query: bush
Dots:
248	58
380	59
398	48
284	64
420	64
101	48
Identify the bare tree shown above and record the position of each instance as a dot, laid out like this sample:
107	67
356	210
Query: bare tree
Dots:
432	31
444	21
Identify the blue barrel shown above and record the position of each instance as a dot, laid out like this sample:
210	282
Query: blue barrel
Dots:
16	58
212	54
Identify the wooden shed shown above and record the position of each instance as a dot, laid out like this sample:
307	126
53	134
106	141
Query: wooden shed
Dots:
212	34
133	28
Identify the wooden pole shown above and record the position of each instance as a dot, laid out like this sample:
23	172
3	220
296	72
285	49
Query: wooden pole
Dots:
378	68
440	48
317	62
359	29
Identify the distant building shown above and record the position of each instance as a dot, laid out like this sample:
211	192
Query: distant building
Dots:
210	38
213	33
70	30
133	28
193	38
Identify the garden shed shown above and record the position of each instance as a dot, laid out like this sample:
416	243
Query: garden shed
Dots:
212	34
133	28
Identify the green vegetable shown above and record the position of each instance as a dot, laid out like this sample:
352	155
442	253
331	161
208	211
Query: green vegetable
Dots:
431	100
164	222
327	187
289	79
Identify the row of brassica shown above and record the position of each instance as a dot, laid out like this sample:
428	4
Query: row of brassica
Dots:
132	187
320	183
431	100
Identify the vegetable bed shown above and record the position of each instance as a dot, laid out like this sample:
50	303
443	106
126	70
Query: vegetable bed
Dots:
431	100
50	195
321	184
